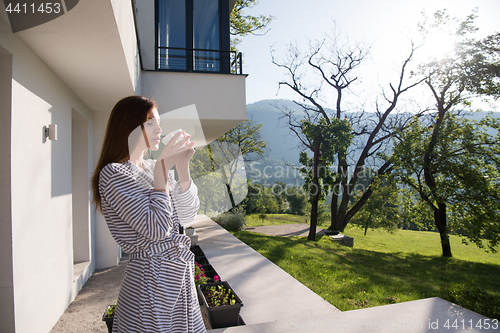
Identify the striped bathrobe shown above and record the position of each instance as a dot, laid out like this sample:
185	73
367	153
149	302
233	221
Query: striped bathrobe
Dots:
158	292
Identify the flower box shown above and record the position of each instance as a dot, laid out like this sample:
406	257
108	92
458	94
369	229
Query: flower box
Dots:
198	252
211	273
202	260
108	317
203	275
221	315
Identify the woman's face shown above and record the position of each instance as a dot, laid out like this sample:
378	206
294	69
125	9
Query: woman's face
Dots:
152	130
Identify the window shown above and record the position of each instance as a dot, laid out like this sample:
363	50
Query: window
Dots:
172	34
206	35
193	35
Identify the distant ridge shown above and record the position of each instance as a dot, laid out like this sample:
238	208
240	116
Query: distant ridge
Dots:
283	144
281	141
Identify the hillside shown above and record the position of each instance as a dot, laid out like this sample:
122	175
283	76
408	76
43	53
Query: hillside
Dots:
283	144
281	141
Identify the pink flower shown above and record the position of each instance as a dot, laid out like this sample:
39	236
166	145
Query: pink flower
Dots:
216	278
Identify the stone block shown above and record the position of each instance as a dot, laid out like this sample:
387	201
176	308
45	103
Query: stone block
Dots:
343	240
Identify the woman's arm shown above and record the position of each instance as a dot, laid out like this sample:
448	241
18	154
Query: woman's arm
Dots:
172	153
184	176
148	212
185	195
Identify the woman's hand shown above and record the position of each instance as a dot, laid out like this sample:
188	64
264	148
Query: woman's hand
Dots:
185	157
172	152
169	156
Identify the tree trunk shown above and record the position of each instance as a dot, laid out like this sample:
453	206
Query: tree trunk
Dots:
228	187
334	206
440	220
337	219
224	177
315	198
367	223
314	218
428	168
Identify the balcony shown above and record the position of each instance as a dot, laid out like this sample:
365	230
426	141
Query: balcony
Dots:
199	60
185	54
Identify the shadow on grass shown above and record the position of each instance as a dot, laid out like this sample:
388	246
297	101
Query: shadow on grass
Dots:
351	278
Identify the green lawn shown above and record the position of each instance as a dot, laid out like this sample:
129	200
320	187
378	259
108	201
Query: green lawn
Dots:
418	242
382	268
253	220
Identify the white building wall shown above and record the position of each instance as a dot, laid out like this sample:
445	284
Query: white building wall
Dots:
146	29
124	17
106	248
41	185
6	269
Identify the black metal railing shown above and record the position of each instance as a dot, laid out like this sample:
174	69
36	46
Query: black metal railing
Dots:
199	60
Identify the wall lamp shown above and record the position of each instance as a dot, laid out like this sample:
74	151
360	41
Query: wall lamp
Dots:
51	132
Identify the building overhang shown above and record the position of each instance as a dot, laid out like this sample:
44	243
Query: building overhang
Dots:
92	49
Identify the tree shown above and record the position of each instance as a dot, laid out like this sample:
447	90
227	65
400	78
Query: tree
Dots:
381	211
324	138
207	181
228	153
252	203
297	200
414	213
450	161
329	67
246	136
260	199
243	25
278	190
464	171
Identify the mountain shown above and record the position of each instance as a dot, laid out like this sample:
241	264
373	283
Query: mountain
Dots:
282	143
284	146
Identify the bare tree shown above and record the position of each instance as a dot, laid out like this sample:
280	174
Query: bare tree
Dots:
329	67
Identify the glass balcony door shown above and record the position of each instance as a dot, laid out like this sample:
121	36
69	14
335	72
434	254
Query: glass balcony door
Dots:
206	35
172	53
188	35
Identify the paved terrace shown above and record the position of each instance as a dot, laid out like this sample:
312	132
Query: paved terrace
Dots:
274	301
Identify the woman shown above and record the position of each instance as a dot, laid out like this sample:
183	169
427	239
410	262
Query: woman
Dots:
142	205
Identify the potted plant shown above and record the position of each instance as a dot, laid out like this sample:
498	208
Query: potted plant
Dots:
189	231
221	304
201	277
109	315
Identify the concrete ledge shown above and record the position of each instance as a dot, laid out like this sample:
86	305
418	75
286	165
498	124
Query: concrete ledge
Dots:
276	302
425	315
269	293
81	273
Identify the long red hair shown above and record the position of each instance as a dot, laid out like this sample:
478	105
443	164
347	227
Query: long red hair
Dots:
127	115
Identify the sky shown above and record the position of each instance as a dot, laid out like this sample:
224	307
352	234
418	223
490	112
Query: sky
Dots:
384	25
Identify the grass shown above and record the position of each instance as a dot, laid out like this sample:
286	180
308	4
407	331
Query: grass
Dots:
253	220
418	242
381	269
